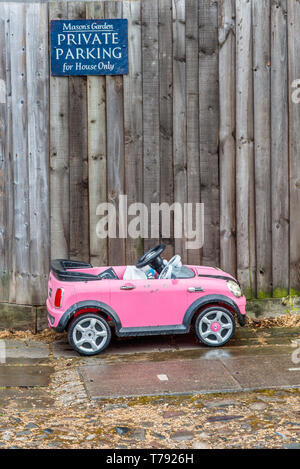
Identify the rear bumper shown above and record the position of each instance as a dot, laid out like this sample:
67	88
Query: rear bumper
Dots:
53	315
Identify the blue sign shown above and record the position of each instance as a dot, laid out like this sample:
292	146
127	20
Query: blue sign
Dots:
89	47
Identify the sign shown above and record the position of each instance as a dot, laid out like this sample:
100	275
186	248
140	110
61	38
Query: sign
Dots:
89	47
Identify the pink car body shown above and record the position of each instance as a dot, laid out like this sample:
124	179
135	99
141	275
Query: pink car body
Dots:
138	307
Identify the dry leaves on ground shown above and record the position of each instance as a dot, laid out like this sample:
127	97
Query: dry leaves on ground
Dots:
284	320
47	335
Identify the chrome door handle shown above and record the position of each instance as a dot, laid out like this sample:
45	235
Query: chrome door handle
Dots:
127	287
195	289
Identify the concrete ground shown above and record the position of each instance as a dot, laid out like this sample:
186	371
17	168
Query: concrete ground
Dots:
153	392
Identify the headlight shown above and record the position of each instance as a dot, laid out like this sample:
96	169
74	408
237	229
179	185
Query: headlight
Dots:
234	288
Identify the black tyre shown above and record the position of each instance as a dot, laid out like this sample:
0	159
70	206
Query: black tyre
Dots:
89	334
215	326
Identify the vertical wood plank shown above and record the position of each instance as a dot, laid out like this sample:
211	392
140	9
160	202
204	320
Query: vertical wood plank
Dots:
227	136
79	204
262	144
279	140
133	120
294	144
96	104
166	113
5	182
21	255
59	155
192	112
115	144
3	161
208	121
9	158
179	116
244	150
38	147
151	164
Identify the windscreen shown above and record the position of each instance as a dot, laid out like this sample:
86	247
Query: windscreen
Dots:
182	272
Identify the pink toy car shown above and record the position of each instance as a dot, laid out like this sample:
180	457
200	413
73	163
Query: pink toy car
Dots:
88	301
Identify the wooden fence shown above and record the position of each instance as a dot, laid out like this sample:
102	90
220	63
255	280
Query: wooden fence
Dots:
205	114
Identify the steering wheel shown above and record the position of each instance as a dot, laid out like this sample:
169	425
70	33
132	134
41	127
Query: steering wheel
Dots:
152	258
167	270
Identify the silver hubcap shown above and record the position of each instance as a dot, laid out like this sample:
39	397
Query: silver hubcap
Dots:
215	327
89	335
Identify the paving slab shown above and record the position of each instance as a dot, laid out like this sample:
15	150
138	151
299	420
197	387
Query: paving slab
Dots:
202	352
264	371
25	399
25	376
159	378
248	351
220	373
26	352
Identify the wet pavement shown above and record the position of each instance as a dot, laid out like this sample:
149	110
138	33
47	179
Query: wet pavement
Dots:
200	375
25	376
246	394
254	359
25	399
27	352
244	337
171	377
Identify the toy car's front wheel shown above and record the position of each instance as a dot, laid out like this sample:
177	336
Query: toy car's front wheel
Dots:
89	334
215	326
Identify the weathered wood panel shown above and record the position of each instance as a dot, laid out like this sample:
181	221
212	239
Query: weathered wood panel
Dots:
37	70
59	155
5	181
79	208
294	144
165	27
192	113
179	119
151	163
96	109
279	150
209	126
9	136
227	136
262	144
20	291
133	121
203	115
244	149
20	317
115	145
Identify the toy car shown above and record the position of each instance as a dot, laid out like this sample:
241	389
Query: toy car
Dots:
89	301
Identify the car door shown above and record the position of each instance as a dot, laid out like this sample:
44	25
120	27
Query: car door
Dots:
154	302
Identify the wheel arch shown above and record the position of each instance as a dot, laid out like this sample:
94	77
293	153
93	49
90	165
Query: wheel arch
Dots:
198	305
88	306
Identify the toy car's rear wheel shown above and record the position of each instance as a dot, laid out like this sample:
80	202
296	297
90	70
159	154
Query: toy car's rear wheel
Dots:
215	326
89	334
